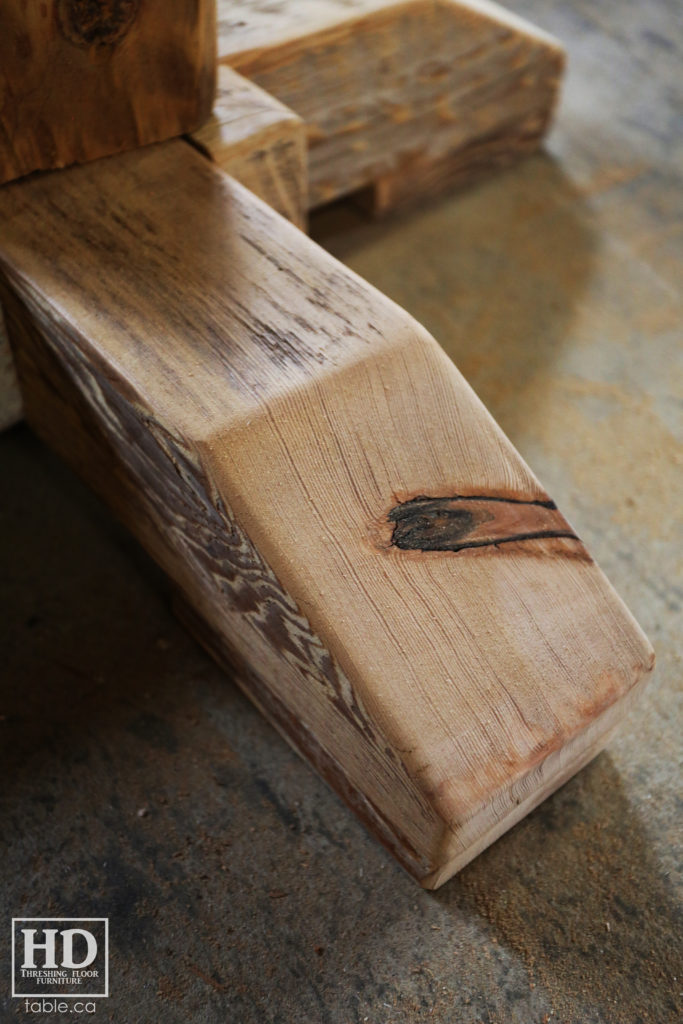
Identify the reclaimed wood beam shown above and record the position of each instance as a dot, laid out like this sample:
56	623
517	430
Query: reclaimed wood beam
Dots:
402	98
345	524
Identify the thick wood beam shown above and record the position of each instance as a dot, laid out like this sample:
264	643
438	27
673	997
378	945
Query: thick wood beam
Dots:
343	519
405	98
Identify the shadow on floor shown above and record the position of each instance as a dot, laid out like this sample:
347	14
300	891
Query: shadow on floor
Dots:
576	892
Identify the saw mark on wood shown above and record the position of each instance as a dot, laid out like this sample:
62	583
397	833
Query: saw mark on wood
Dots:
473	521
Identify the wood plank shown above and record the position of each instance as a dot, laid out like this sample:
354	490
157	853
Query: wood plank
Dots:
405	97
254	411
260	142
81	80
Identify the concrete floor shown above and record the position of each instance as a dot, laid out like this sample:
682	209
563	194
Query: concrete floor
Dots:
141	785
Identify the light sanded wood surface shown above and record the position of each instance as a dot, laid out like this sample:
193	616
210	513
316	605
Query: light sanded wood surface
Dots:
257	414
81	80
260	142
408	97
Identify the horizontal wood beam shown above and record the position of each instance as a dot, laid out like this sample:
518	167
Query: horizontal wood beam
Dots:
404	98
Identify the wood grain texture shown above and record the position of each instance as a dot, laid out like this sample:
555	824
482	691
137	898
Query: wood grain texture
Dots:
80	79
260	142
251	136
255	411
407	97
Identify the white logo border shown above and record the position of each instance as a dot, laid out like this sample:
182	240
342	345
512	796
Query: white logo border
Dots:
59	995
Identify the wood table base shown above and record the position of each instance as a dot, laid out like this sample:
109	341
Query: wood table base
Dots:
399	100
335	504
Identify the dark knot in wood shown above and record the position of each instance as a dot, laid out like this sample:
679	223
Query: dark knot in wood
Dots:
473	521
96	22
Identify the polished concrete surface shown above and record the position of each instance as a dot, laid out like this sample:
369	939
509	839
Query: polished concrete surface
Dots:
139	784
